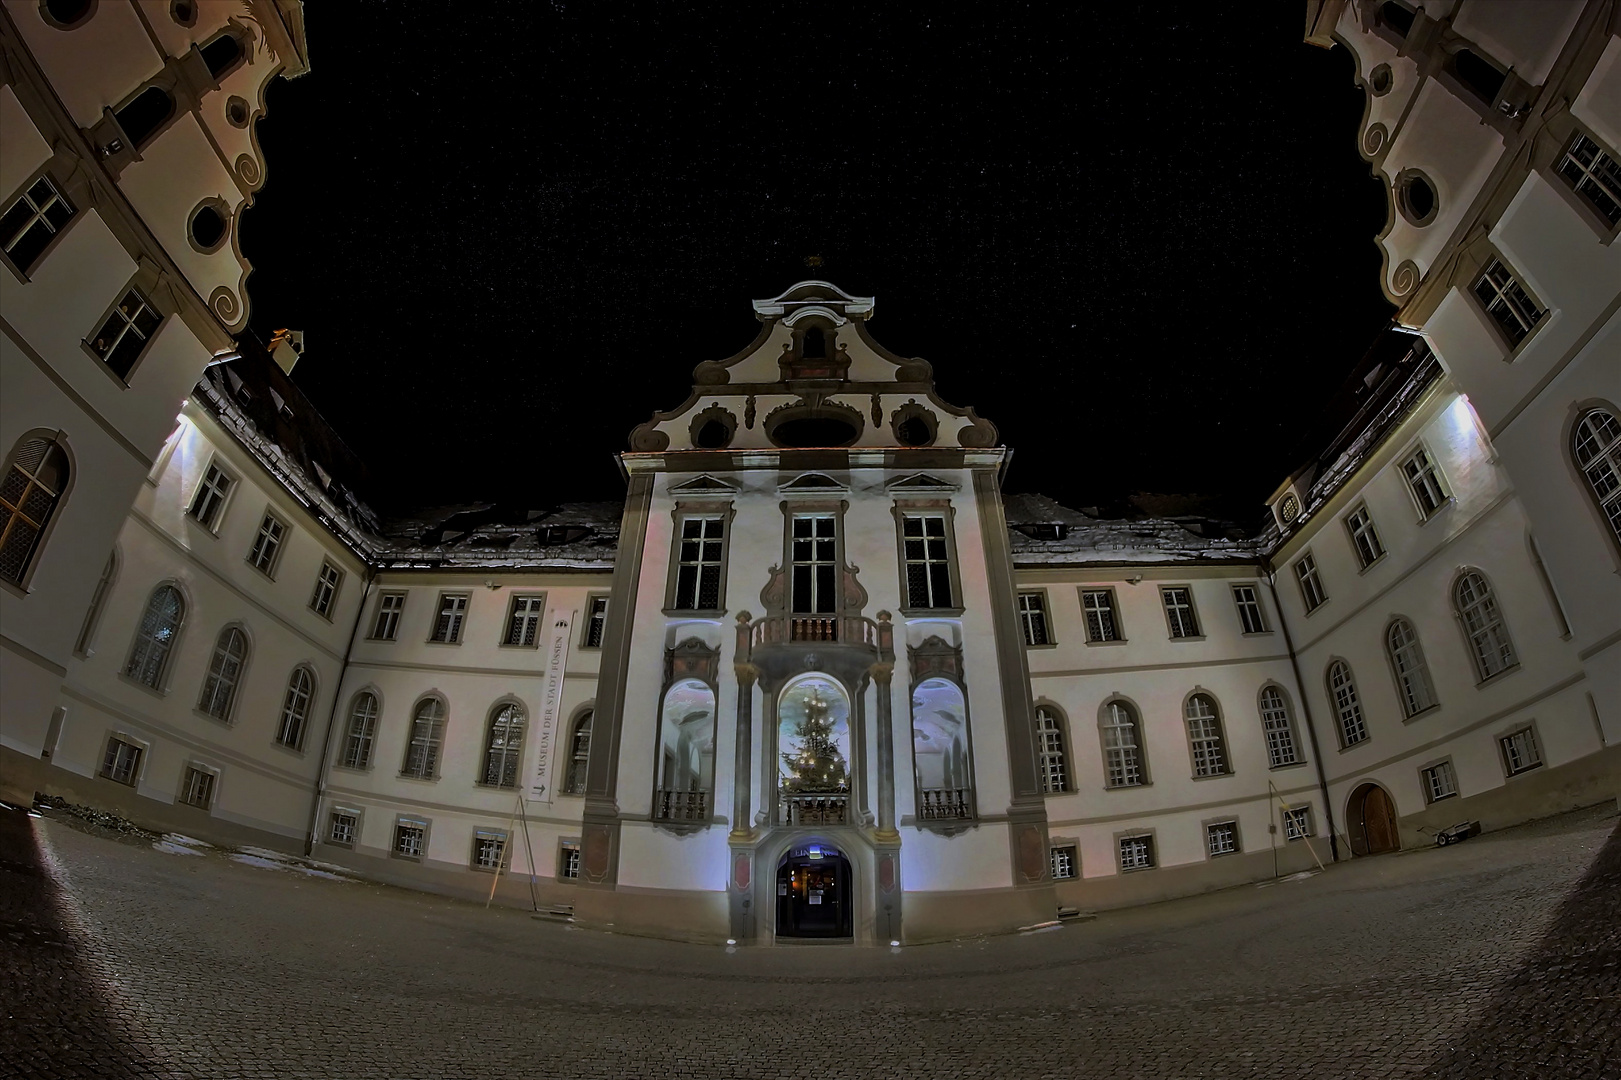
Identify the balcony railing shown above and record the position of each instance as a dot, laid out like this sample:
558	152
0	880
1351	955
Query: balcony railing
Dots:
815	809
796	629
681	805
943	804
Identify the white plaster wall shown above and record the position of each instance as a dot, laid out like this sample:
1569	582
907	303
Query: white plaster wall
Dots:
24	149
92	66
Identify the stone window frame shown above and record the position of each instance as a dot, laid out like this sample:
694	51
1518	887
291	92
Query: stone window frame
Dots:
1291	725
166	667
1340	729
405	821
210	680
818	504
1471	643
1223	744
724	510
1255	601
1044	610
1424	771
508	624
379	610
504	863
1114	614
1486	256
1064	843
328	607
595	621
1299	810
946	511
297	745
488	749
146	284
216	463
78	197
431	774
1433	470
1313	593
1357	530
57	440
184	791
1149	834
281	541
1402	184
1238	836
1410	700
227	230
1066	759
369	743
1547	166
1145	777
455	630
143	755
1193	612
568	859
357	817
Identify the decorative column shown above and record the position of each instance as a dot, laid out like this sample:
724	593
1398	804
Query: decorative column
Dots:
743	752
881	674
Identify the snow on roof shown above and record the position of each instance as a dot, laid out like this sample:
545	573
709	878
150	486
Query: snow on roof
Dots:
571	536
1046	533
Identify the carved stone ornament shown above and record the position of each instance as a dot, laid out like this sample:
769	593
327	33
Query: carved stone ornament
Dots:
709	373
648	439
774	595
748	413
935	656
691	659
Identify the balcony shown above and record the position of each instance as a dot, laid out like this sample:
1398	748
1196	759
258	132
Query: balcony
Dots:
830	809
820	629
943	804
680	805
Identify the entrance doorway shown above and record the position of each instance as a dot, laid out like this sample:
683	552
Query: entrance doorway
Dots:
1372	821
813	893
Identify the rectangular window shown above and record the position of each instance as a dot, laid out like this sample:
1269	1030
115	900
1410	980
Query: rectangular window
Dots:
1520	752
209	500
1179	611
814	573
386	627
1506	301
124	335
1424	482
568	860
410	838
326	590
447	626
596	621
1594	174
1136	852
197	789
1101	623
1311	586
1439	782
1364	537
489	849
1033	617
928	564
1248	602
1064	862
1221	837
1297	822
267	544
523	622
29	224
122	763
342	827
697	577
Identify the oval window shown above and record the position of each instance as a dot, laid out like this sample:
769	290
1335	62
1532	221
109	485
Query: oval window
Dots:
1416	197
1380	80
814	431
207	227
236	111
914	431
65	14
713	435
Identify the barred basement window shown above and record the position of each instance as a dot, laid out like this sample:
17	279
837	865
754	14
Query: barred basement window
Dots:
813	550
154	639
595	622
1312	593
1064	862
928	562
1597	447
410	838
1221	837
1033	618
267	544
1122	757
124	335
386	626
568	860
1520	751
447	627
295	708
197	788
1364	537
580	758
1506	301
523	621
342	827
1439	782
1101	624
1347	705
1051	761
122	763
1423	483
224	674
1248	602
1204	736
697	580
1136	852
326	590
357	741
32	221
1595	174
503	746
1412	673
1297	823
1279	729
427	733
210	497
1489	644
29	494
489	849
1179	611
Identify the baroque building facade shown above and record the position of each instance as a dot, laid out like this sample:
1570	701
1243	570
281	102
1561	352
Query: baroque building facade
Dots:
818	677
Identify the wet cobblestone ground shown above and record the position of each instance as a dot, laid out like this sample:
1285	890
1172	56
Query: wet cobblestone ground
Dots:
1500	958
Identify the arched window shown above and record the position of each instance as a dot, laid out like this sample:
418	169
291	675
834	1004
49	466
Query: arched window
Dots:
503	746
357	740
149	656
1412	673
427	733
686	767
942	759
579	757
1347	705
1054	766
144	114
1122	746
222	55
33	485
224	673
1204	736
1489	644
295	708
1279	728
1597	448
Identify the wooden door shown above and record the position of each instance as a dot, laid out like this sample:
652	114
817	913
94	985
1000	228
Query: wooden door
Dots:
1379	822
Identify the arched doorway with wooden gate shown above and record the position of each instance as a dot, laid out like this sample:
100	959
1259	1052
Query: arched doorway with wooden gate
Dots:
1370	819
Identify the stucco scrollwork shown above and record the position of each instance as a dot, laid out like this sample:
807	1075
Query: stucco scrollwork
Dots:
1405	278
1373	140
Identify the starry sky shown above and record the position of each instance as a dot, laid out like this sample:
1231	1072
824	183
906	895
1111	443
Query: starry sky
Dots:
1138	238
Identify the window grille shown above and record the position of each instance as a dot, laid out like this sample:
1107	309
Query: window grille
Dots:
1412	673
928	564
427	732
387	625
1424	482
326	590
523	623
1122	757
1520	751
410	838
341	828
125	333
580	758
1594	174
1050	751
362	730
1136	852
1439	782
1489	643
1297	822
154	640
814	573
210	497
122	763
224	674
1064	862
1179	611
1506	301
1279	729
32	486
266	544
1312	593
29	223
489	849
596	622
1248	602
503	748
1597	446
447	627
1204	734
1033	617
295	708
568	860
1101	624
1347	705
1364	537
697	581
1221	837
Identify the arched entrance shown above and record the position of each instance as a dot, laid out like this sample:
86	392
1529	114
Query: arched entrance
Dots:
813	893
1371	820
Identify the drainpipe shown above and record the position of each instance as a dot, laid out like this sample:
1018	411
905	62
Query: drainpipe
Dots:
1305	711
332	716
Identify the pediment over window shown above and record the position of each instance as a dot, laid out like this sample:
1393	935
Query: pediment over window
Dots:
921	482
703	485
814	481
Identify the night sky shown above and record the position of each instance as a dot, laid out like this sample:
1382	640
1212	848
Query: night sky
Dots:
1138	238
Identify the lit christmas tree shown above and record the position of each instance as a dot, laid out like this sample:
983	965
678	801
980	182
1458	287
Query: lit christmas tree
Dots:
817	767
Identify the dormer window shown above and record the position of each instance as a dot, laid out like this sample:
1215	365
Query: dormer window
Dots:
1044	530
562	534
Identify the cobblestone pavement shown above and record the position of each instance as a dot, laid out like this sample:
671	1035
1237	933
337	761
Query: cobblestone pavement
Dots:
1500	957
